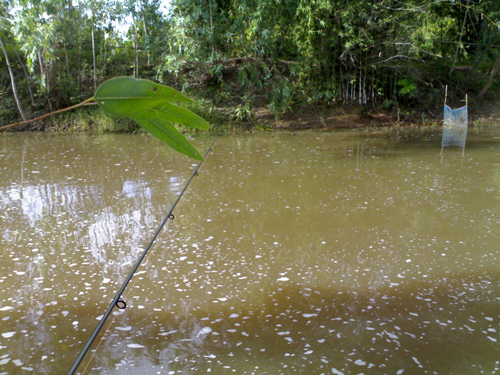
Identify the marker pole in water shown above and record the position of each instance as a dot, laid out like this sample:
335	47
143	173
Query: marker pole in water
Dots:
117	301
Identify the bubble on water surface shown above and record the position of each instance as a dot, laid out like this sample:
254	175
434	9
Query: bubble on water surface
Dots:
8	335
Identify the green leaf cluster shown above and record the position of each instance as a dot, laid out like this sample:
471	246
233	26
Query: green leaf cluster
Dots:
151	106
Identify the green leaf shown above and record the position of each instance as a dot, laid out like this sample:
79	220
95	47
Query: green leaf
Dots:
166	132
171	112
149	104
129	97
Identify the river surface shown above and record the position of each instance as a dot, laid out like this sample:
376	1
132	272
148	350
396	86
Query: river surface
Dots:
349	252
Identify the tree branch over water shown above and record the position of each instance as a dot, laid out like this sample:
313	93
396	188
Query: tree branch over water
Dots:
84	103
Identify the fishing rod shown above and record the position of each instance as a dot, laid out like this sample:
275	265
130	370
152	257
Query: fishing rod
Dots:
117	301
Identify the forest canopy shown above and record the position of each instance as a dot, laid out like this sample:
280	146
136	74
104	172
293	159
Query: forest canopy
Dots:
244	53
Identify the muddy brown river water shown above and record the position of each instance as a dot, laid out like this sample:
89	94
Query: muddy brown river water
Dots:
349	252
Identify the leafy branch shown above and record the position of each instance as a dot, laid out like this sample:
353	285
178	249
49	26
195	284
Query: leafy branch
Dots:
149	104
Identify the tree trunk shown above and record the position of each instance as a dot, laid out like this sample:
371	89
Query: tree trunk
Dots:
146	36
136	52
493	72
42	71
211	30
28	81
80	27
135	59
93	59
12	80
67	60
458	44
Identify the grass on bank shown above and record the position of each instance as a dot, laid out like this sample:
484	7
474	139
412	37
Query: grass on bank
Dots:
88	120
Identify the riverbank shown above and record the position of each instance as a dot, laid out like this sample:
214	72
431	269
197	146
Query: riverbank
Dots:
349	117
94	120
239	96
222	119
246	94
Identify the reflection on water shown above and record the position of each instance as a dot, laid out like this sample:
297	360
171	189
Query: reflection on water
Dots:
315	253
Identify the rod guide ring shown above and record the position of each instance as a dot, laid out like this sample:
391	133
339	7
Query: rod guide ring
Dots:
121	304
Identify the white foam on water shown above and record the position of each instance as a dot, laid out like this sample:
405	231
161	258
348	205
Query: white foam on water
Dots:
167	333
126	328
309	315
417	362
8	335
137	346
204	331
391	335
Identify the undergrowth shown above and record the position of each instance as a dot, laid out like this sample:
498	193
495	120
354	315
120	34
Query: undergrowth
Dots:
89	120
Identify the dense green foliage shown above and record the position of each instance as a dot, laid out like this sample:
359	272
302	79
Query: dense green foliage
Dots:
249	53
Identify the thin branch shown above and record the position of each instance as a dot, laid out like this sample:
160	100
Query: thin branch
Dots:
84	103
399	57
467	43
